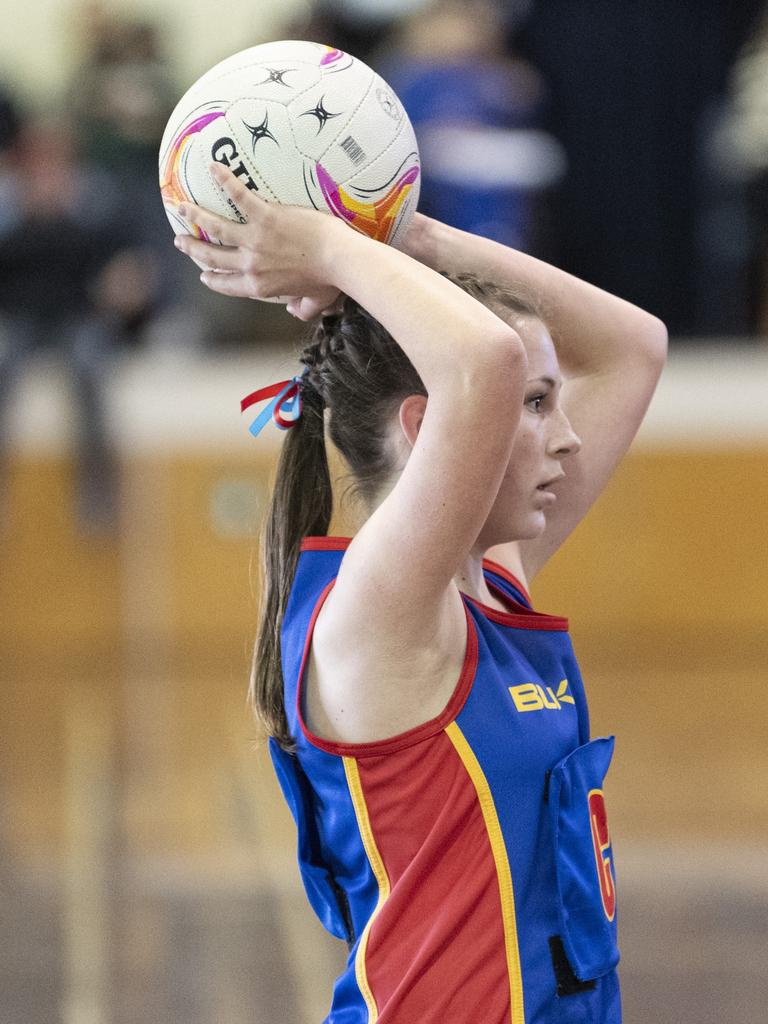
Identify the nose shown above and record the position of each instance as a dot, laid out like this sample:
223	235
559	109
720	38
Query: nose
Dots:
564	441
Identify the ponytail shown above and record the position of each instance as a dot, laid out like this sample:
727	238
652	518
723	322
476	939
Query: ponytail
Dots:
301	505
356	370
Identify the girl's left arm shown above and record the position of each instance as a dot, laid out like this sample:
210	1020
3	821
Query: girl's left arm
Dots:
611	354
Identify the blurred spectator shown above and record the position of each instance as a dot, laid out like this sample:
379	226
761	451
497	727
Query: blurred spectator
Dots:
741	152
69	281
358	27
120	99
10	121
486	162
721	234
477	114
630	83
122	94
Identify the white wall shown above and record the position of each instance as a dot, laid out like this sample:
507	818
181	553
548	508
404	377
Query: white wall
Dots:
39	39
710	398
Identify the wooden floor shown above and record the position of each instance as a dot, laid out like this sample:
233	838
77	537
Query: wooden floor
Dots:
146	856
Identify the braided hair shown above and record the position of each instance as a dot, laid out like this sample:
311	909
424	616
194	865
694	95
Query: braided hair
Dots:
357	378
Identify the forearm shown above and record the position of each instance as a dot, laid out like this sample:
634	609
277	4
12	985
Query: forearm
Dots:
455	343
443	330
593	330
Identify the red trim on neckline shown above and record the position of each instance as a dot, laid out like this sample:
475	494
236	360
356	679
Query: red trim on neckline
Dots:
411	736
526	618
500	570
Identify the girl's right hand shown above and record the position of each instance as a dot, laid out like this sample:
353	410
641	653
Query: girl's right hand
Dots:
280	250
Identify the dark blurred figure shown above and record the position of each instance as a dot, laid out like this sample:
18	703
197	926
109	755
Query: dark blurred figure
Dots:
71	281
359	27
10	123
630	83
122	93
120	99
741	151
477	111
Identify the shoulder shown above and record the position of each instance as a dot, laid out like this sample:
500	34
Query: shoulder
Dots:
363	682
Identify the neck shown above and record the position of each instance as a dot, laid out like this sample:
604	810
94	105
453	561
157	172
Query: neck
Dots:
470	580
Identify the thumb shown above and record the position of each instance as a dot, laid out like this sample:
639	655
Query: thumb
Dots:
304	308
309	306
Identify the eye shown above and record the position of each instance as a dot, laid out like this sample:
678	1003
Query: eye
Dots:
535	402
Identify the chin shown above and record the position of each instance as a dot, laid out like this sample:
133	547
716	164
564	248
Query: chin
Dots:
533	527
528	527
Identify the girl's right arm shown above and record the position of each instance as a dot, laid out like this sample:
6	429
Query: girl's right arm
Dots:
398	570
611	354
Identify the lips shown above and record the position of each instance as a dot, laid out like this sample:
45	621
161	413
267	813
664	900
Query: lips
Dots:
548	483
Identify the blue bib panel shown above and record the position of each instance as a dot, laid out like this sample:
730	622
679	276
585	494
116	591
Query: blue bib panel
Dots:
508	778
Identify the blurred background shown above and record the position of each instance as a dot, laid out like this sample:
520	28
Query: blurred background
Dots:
146	860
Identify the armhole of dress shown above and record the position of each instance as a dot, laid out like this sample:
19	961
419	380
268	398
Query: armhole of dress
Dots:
404	739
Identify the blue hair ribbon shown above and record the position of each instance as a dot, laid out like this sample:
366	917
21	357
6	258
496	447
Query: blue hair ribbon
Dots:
284	407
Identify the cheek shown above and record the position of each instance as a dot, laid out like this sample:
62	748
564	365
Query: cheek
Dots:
525	457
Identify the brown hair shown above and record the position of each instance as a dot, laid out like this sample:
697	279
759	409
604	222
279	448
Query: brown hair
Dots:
360	375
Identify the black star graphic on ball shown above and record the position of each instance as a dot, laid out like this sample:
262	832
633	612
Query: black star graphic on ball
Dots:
321	114
260	131
276	76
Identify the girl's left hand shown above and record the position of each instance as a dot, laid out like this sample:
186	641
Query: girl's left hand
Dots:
278	249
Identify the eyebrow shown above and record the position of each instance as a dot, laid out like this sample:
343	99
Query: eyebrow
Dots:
543	380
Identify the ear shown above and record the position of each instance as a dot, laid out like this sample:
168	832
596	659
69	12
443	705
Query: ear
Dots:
411	414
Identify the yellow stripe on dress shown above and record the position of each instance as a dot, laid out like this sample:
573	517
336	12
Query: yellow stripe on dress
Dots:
503	873
380	874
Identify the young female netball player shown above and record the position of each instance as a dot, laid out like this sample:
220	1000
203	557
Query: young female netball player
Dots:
428	727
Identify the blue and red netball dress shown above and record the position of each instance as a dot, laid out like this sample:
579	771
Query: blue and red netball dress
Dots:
467	862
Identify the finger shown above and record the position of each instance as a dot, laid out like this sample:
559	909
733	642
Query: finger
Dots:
228	284
213	226
245	199
209	255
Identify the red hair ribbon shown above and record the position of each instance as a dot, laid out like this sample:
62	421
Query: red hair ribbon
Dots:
285	407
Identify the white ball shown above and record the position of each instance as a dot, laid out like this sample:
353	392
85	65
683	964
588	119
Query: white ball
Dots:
298	123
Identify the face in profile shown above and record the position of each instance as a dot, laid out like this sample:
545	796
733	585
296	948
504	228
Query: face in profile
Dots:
544	441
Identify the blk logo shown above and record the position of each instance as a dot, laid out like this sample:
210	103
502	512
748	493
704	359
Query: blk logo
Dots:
534	697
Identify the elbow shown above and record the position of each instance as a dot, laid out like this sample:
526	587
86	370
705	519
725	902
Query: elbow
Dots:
508	349
655	342
504	365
